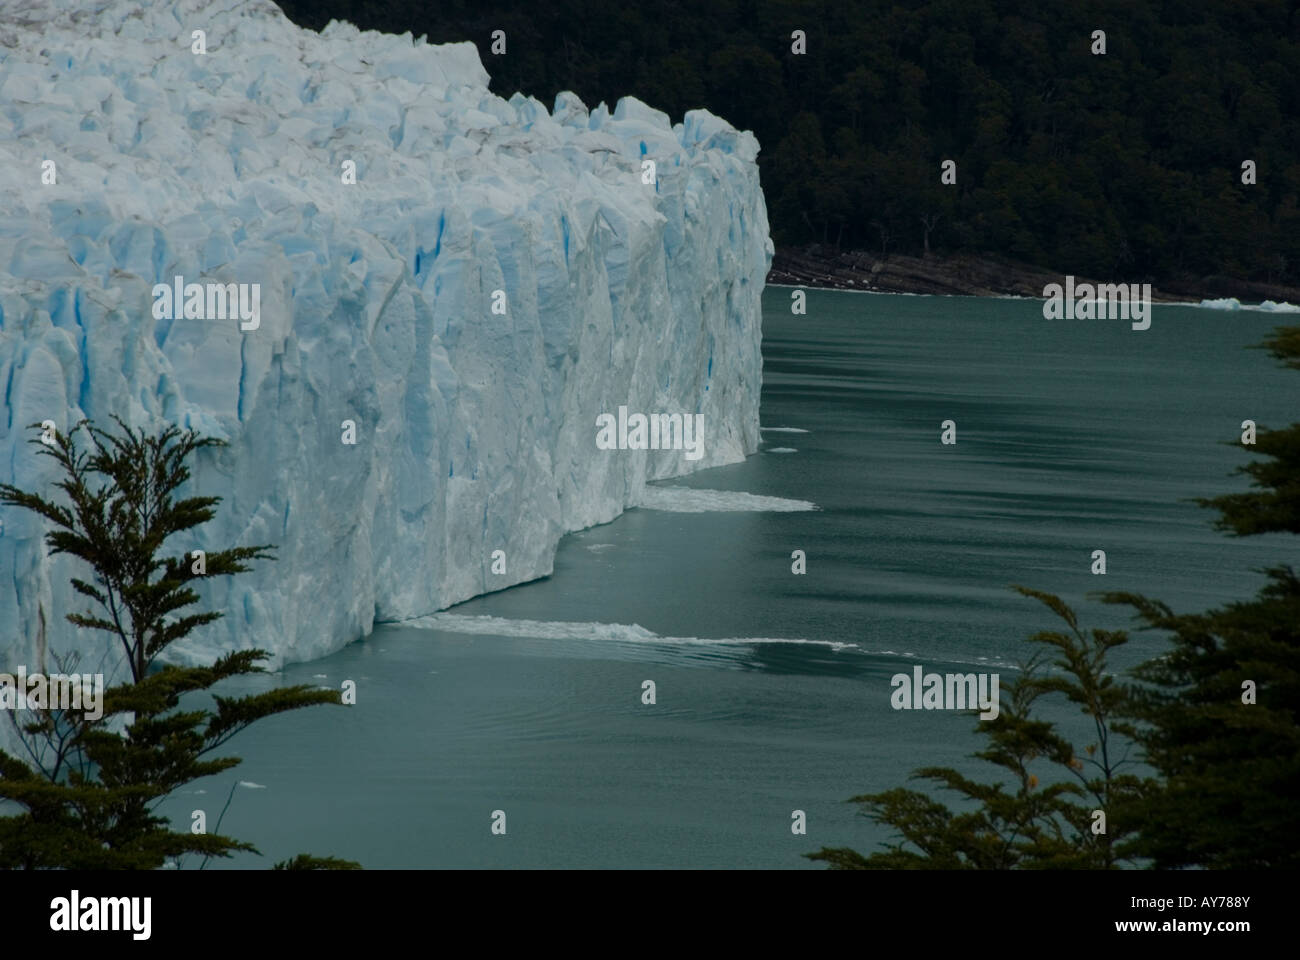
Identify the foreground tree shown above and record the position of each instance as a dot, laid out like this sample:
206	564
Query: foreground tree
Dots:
1220	713
1022	821
91	785
1217	717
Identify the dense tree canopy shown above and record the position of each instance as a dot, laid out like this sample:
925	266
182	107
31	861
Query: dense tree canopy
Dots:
1126	165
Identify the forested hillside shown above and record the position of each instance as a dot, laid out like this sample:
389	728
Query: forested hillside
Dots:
1123	165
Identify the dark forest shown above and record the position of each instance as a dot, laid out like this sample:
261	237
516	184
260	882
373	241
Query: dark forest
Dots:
1124	165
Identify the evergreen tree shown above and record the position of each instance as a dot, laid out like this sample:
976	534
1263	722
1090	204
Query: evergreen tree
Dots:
1022	821
1217	717
1220	714
92	784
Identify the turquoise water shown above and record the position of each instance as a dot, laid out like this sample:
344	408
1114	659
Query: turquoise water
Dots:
1072	436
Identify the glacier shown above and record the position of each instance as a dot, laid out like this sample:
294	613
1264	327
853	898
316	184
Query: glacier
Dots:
475	431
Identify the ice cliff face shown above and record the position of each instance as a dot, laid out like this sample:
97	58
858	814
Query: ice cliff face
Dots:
475	431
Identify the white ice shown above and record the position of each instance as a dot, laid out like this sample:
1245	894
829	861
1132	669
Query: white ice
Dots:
475	431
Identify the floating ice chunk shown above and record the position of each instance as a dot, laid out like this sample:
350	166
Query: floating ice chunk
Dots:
691	500
1232	303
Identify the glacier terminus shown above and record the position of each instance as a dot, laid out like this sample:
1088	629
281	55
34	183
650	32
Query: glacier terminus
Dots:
382	200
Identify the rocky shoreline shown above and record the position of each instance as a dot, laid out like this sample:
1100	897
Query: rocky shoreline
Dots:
981	276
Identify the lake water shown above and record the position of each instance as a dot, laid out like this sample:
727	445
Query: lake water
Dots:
1071	436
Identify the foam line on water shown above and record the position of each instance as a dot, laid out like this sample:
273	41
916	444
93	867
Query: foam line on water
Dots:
586	630
596	631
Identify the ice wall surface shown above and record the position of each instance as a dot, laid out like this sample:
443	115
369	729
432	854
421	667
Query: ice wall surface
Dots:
475	431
